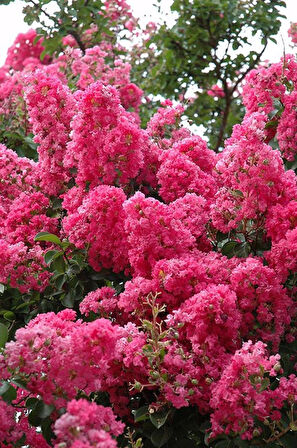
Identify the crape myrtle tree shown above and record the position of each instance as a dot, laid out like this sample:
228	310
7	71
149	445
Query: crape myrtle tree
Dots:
148	283
205	55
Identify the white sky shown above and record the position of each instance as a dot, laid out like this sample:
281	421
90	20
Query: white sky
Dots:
11	23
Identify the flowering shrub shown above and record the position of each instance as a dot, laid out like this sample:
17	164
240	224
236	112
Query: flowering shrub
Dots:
148	284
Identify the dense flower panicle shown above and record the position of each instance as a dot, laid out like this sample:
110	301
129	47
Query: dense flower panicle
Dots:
118	75
251	175
92	66
263	302
121	154
265	84
106	143
17	174
186	167
153	233
147	208
196	149
46	352
11	100
165	125
4	74
261	86
102	300
208	336
147	177
51	107
99	223
280	219
26	217
23	267
182	278
130	96
192	211
97	111
179	175
9	432
23	49
243	393
88	67
87	422
135	295
283	255
272	90
210	314
93	438
287	127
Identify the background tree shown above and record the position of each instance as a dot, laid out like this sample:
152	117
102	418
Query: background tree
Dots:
209	44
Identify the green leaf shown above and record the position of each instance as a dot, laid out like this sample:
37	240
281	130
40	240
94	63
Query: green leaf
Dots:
4	387
19	383
65	244
241	443
46	429
161	436
222	444
60	280
7	392
289	440
228	248
3	335
265	384
31	402
33	418
40	411
2	288
236	249
141	414
44	410
159	418
9	315
51	255
271	124
49	237
68	300
242	250
58	264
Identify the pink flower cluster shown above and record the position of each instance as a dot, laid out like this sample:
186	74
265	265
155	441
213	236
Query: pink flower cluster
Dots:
50	106
247	157
86	425
243	393
99	222
25	50
269	89
216	91
106	143
292	32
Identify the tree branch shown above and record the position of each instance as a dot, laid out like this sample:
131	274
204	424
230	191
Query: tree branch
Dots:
72	32
80	43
